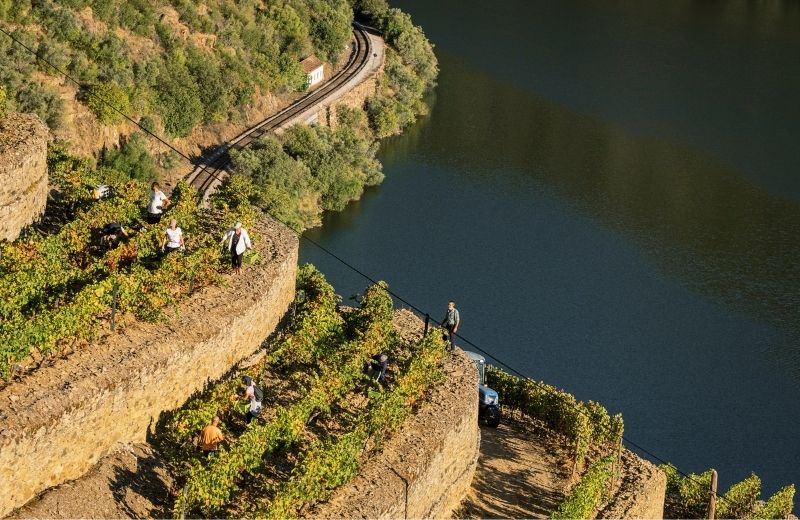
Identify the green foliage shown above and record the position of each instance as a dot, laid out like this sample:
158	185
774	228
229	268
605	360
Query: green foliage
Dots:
411	69
316	327
107	100
740	499
315	168
161	72
583	424
55	290
587	496
327	355
329	464
383	116
210	486
178	97
330	27
132	158
687	497
322	469
779	505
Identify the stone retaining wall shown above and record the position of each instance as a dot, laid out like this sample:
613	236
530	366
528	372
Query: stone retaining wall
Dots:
61	419
425	470
641	492
23	172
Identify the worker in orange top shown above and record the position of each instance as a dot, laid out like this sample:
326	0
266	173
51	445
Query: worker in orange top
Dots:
211	436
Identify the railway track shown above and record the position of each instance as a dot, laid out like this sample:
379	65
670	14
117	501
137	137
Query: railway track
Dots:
212	170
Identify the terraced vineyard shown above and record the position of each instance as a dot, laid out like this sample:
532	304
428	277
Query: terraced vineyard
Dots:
321	415
57	286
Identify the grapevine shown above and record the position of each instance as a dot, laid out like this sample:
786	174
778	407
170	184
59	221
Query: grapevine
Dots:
56	289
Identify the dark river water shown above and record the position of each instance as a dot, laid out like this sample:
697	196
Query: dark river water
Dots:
610	190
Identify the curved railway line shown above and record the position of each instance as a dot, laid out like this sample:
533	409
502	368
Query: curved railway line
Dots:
212	169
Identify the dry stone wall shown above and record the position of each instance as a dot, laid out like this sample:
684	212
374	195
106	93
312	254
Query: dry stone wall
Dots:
426	469
641	492
23	172
61	419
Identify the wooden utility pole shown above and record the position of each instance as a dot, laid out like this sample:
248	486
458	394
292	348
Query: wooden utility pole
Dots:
616	466
712	496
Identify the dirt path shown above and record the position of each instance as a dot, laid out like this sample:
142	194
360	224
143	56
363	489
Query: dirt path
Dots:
520	475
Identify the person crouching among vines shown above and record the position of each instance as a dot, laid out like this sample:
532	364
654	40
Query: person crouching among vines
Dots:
236	241
172	239
112	235
253	394
376	368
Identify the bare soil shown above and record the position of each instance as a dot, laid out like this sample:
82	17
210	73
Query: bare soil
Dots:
522	473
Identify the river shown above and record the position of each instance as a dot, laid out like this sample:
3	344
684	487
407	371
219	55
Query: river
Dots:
611	193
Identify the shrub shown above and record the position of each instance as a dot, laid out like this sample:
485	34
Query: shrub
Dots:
383	116
314	169
330	27
178	98
132	158
103	98
41	101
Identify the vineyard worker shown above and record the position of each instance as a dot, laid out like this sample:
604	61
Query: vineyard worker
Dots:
211	436
378	366
158	201
112	234
172	239
253	394
236	241
451	321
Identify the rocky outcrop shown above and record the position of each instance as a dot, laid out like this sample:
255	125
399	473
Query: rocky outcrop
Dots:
61	419
23	172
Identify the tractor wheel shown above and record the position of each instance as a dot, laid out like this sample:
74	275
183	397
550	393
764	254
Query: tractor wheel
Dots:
493	417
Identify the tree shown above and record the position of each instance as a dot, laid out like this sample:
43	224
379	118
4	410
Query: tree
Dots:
179	98
330	27
132	159
103	98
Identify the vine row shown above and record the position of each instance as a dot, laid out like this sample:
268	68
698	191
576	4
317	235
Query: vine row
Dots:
583	424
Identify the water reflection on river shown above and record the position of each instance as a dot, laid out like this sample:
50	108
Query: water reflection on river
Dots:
616	210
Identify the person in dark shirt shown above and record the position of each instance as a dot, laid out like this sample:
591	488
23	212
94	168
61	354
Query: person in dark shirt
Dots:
451	321
112	234
378	366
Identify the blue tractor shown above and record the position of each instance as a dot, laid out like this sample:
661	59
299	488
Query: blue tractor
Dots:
488	400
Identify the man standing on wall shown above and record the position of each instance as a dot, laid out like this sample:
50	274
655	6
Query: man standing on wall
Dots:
450	322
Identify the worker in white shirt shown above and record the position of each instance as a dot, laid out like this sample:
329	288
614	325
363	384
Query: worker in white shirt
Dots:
236	242
172	239
158	201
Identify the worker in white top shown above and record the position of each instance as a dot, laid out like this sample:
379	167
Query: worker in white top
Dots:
236	242
172	239
158	201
